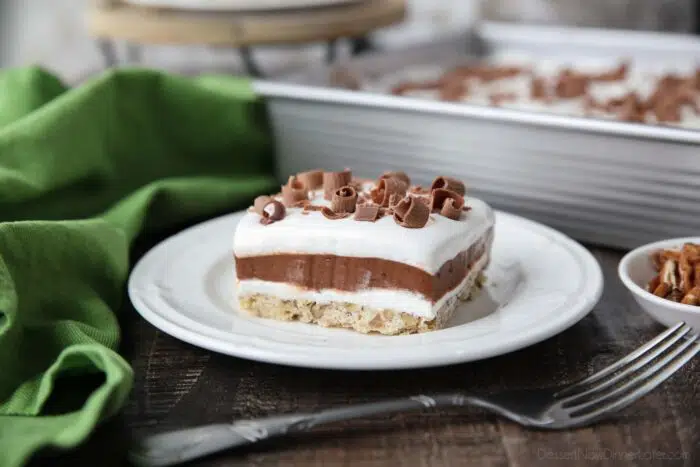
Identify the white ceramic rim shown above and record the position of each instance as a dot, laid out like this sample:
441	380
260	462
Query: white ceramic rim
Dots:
623	273
201	336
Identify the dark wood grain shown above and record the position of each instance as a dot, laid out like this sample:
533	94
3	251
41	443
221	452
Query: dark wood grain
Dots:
178	385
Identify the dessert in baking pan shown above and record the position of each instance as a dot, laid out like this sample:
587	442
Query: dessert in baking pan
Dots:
622	91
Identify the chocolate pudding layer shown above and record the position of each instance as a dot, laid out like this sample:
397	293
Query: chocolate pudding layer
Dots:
350	274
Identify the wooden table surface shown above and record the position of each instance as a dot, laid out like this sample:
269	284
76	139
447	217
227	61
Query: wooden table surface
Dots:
178	385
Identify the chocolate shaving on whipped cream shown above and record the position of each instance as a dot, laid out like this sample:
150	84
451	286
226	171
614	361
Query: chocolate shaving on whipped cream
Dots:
344	200
386	187
367	213
440	196
294	191
272	212
328	213
538	89
332	181
448	183
571	84
312	179
411	213
398	174
451	211
260	203
454	90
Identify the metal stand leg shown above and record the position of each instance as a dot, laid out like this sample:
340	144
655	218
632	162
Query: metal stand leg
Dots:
331	51
109	53
361	45
358	46
249	63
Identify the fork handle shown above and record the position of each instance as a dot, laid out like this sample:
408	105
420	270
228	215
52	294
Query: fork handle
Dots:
174	447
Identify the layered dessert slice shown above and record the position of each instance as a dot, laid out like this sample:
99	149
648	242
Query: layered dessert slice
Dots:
373	256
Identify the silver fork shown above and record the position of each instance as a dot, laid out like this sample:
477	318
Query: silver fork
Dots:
578	404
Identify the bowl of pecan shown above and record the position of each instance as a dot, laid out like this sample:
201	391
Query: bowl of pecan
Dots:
664	278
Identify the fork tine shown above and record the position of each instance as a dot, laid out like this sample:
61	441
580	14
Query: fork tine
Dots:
633	366
681	329
650	379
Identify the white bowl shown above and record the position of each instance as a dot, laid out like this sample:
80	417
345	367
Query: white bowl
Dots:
636	270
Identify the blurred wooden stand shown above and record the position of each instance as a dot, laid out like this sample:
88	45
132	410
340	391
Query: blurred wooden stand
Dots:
110	20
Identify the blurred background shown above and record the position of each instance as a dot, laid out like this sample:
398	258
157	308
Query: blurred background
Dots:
53	33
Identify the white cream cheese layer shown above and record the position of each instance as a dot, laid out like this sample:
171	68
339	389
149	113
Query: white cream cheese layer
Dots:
389	299
426	248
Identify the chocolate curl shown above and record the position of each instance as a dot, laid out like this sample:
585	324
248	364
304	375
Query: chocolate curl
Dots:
449	210
571	84
667	111
259	204
538	89
400	175
332	181
293	192
312	180
334	216
367	213
448	183
394	200
440	196
386	187
424	199
344	200
272	212
453	90
411	213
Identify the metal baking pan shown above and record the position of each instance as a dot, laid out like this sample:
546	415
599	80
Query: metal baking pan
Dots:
605	182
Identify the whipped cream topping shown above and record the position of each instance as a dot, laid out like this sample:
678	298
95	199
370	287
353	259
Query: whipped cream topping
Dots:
427	248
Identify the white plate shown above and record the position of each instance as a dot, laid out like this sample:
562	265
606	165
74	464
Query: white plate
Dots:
237	5
540	282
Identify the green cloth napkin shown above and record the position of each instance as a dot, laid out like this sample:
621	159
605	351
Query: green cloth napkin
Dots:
83	173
